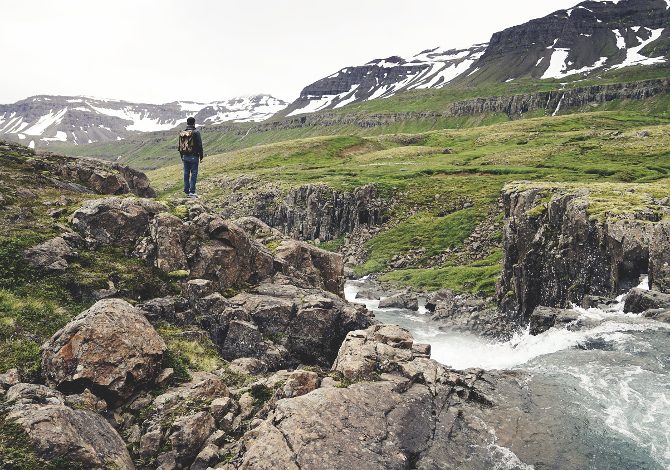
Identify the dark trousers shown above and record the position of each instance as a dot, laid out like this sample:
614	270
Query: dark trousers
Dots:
190	173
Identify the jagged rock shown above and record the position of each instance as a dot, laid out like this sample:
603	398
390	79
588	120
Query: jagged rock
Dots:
170	309
57	430
115	221
639	300
248	365
195	289
259	230
167	233
366	353
659	257
283	325
86	400
659	315
406	301
463	312
189	435
220	407
544	318
321	268
555	253
420	414
52	255
8	379
24	393
310	212
110	348
209	455
300	382
94	175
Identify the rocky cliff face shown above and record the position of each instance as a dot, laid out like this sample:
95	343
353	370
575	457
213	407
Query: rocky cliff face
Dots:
308	212
591	37
557	251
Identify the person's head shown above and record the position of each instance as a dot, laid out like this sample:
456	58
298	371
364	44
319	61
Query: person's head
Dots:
190	121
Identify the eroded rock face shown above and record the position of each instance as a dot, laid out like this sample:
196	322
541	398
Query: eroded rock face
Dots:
57	430
284	325
319	267
544	318
95	175
110	348
115	221
310	212
556	253
419	414
659	257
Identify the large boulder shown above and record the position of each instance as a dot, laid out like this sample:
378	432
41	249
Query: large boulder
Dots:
415	413
58	431
639	300
401	300
283	325
110	348
321	268
52	255
118	222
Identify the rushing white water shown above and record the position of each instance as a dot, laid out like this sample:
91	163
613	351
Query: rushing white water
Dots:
615	366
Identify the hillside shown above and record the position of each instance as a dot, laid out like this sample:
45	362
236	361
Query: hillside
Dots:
441	188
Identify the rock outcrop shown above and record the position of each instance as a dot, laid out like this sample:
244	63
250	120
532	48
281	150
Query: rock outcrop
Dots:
322	269
110	349
544	318
556	252
309	212
640	300
416	413
281	325
57	431
401	300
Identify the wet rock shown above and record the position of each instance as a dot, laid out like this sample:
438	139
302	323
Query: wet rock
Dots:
556	253
110	348
659	257
401	300
118	222
659	315
52	255
322	268
544	318
639	300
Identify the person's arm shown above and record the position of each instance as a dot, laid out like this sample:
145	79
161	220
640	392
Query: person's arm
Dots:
198	144
178	145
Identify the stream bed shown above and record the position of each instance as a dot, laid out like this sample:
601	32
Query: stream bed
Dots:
615	370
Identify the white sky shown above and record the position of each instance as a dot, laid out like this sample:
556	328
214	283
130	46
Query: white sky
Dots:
158	51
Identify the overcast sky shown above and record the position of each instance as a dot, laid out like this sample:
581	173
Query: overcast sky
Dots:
158	51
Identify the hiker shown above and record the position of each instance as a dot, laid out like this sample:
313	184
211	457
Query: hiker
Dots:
190	149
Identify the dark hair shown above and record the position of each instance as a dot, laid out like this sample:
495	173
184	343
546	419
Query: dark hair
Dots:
190	121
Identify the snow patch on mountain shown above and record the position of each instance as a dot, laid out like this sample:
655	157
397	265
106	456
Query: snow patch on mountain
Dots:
633	56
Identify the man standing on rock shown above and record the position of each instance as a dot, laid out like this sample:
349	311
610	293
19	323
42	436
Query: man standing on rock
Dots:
190	149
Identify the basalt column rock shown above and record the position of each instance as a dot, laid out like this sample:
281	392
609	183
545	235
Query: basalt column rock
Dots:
556	252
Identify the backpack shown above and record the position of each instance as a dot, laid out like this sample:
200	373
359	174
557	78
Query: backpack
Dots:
187	142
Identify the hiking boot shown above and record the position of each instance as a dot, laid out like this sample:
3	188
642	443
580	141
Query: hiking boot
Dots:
194	195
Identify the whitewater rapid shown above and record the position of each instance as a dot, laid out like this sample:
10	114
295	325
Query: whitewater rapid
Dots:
615	368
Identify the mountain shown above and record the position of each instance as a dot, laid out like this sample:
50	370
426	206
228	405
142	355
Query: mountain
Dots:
381	78
41	120
592	38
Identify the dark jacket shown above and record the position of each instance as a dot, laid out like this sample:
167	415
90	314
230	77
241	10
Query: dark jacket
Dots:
197	141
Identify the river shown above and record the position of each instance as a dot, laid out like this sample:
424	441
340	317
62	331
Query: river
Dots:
616	370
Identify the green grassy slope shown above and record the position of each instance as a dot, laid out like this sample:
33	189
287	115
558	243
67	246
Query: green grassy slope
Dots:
154	150
441	198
